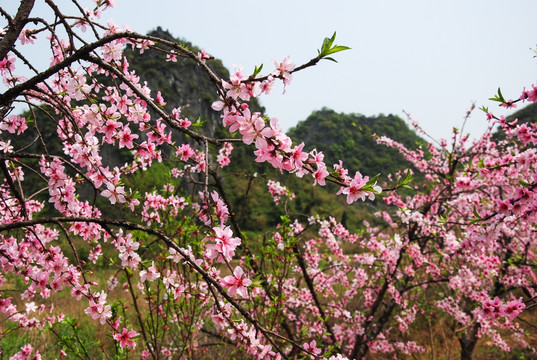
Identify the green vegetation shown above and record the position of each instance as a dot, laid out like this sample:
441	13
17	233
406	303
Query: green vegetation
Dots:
349	137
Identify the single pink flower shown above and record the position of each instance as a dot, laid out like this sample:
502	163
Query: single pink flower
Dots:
284	70
115	194
125	338
126	138
237	282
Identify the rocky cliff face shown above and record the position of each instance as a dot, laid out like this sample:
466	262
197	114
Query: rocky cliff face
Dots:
182	84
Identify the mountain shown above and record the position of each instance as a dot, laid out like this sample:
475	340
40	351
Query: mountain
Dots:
349	137
182	84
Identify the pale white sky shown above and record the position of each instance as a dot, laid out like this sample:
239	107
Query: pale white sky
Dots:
430	58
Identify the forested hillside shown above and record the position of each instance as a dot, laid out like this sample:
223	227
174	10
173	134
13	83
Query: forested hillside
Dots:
349	137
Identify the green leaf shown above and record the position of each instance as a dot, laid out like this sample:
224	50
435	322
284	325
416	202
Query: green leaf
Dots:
257	70
473	221
198	122
285	219
373	180
408	178
328	49
499	97
500	94
327	43
338	48
330	58
477	214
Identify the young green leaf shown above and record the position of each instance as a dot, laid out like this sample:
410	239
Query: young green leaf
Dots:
373	180
257	70
328	49
408	178
499	97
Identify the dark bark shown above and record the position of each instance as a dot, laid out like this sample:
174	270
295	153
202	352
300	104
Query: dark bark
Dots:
362	348
15	27
468	340
311	288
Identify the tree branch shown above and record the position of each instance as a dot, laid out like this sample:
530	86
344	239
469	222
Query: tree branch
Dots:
15	27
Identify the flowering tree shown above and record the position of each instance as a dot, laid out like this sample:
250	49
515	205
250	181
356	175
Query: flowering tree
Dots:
462	247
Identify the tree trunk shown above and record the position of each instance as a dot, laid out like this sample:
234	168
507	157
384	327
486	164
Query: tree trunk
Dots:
468	340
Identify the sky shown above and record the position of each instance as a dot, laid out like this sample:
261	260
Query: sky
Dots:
432	59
